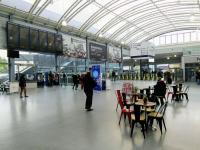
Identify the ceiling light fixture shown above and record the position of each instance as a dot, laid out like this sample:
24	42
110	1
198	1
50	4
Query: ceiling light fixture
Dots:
168	58
100	35
122	42
192	17
64	23
174	55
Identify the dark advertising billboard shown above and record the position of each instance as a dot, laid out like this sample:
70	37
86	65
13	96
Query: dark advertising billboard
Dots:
114	54
74	47
97	52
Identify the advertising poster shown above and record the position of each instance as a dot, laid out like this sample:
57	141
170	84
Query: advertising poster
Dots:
74	47
96	74
114	54
97	52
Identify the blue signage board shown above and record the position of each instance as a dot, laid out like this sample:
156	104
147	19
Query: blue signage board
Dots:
96	74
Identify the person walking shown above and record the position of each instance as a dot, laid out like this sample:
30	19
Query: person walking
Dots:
88	85
160	90
113	75
75	81
22	85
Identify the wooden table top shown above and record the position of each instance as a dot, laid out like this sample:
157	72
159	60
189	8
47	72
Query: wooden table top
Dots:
141	102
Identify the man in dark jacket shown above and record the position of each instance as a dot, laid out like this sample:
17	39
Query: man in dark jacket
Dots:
22	85
160	89
88	84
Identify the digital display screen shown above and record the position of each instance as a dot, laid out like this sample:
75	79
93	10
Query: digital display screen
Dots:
97	52
34	40
58	43
30	39
24	38
43	40
51	42
13	36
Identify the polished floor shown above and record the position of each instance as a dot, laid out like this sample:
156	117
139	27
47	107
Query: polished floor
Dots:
54	119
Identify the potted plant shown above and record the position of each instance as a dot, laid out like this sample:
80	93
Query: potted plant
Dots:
136	89
145	100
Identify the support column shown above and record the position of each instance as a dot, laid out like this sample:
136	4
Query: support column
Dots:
56	63
183	67
87	55
141	72
85	65
121	64
11	68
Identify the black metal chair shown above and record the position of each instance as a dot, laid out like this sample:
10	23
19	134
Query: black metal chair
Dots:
185	92
138	117
159	116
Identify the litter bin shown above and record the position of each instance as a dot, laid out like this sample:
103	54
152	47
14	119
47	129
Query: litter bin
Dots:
103	84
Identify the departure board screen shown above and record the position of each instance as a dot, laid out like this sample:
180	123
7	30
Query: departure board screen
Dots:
12	36
24	38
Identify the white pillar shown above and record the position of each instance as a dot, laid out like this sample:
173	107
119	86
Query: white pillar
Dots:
183	66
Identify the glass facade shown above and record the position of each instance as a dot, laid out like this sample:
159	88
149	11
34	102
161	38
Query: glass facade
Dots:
3	65
177	37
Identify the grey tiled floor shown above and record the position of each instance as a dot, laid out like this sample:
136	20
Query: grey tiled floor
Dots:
54	119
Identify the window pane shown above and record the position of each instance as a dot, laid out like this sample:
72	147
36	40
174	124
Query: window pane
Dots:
156	41
174	38
187	37
180	38
193	36
198	36
168	39
162	40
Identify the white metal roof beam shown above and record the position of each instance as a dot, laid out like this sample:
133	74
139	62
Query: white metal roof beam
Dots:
96	15
42	8
78	10
165	16
34	6
131	12
155	28
73	6
108	9
119	18
151	22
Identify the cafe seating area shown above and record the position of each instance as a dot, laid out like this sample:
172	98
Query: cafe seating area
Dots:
144	109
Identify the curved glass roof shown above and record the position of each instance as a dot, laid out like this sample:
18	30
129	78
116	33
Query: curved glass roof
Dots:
128	21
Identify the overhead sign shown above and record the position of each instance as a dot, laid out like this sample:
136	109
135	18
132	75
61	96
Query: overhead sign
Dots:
74	47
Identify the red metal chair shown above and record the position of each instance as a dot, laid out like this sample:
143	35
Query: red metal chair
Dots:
169	92
124	110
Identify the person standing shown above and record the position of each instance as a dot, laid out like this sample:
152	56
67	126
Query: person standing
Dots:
113	75
64	79
22	85
88	85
